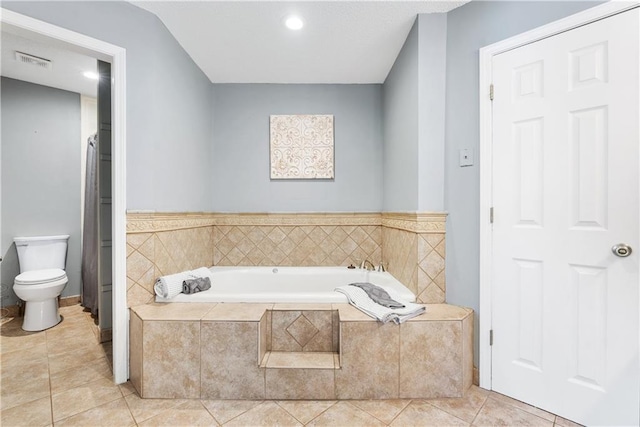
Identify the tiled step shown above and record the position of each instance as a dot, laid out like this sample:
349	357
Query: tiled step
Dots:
300	360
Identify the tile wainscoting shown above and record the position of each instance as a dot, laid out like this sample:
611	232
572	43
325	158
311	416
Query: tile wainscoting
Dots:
411	245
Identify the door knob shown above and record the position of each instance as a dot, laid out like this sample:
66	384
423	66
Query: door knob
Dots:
621	250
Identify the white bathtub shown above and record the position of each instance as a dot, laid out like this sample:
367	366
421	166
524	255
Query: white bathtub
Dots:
287	285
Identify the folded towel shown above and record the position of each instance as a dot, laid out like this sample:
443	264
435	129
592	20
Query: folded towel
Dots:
171	285
359	299
191	286
378	295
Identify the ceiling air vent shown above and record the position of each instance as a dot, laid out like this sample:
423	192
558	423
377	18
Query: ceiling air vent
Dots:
25	58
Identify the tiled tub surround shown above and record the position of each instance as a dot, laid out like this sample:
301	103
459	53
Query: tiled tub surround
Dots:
410	244
413	245
297	351
417	261
297	239
162	244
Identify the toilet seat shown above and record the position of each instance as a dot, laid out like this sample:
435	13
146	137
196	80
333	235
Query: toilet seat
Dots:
39	277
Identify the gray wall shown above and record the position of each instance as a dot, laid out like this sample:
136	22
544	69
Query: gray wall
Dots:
40	174
469	28
414	119
240	169
432	74
168	102
400	124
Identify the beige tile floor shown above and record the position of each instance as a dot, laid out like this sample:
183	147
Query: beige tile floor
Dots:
62	377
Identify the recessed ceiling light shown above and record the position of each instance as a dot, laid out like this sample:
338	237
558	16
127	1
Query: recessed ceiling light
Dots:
293	22
91	75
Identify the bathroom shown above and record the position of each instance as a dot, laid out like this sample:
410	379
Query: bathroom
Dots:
380	132
49	116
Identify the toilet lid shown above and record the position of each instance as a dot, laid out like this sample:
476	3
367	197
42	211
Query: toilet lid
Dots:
36	277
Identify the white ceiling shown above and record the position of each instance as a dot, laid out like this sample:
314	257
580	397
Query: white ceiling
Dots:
246	41
65	73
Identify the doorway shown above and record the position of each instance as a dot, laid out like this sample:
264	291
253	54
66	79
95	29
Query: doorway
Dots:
47	33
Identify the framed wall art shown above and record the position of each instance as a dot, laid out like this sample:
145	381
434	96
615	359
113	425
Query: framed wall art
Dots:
301	146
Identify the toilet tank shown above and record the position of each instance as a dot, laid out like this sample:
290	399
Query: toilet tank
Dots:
40	252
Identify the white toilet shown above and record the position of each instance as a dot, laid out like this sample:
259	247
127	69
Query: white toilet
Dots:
41	280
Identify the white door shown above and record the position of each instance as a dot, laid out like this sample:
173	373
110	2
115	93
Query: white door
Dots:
565	191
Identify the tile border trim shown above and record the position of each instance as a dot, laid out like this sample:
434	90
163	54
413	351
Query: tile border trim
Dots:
298	219
417	222
138	222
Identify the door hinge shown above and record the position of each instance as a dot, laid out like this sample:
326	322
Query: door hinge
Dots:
491	91
491	215
491	337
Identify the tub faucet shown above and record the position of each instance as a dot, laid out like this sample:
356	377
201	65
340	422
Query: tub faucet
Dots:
364	263
382	268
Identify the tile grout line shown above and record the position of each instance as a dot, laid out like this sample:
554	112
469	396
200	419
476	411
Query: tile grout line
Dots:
293	416
449	413
331	406
403	409
522	409
129	409
262	401
209	412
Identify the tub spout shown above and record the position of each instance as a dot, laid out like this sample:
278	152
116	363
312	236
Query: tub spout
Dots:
368	265
382	268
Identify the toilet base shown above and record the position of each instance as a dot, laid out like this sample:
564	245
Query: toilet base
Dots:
40	315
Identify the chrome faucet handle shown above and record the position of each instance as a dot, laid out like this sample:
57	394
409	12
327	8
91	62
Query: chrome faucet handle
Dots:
382	268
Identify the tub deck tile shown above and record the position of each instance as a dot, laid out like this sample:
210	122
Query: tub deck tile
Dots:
433	312
173	311
316	384
229	368
302	306
236	312
171	347
442	312
349	313
431	359
369	357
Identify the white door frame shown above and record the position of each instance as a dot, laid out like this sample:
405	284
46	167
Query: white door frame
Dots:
116	55
486	155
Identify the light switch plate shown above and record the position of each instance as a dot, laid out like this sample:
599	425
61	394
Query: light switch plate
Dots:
466	157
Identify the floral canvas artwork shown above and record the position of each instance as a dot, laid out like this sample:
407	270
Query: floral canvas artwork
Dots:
301	146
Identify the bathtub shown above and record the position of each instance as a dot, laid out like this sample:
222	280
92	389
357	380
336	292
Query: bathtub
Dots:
287	285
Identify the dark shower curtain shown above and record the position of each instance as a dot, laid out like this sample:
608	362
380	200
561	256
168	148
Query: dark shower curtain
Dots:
90	230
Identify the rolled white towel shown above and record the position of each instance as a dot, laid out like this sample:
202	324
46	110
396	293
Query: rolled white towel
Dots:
202	272
171	285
